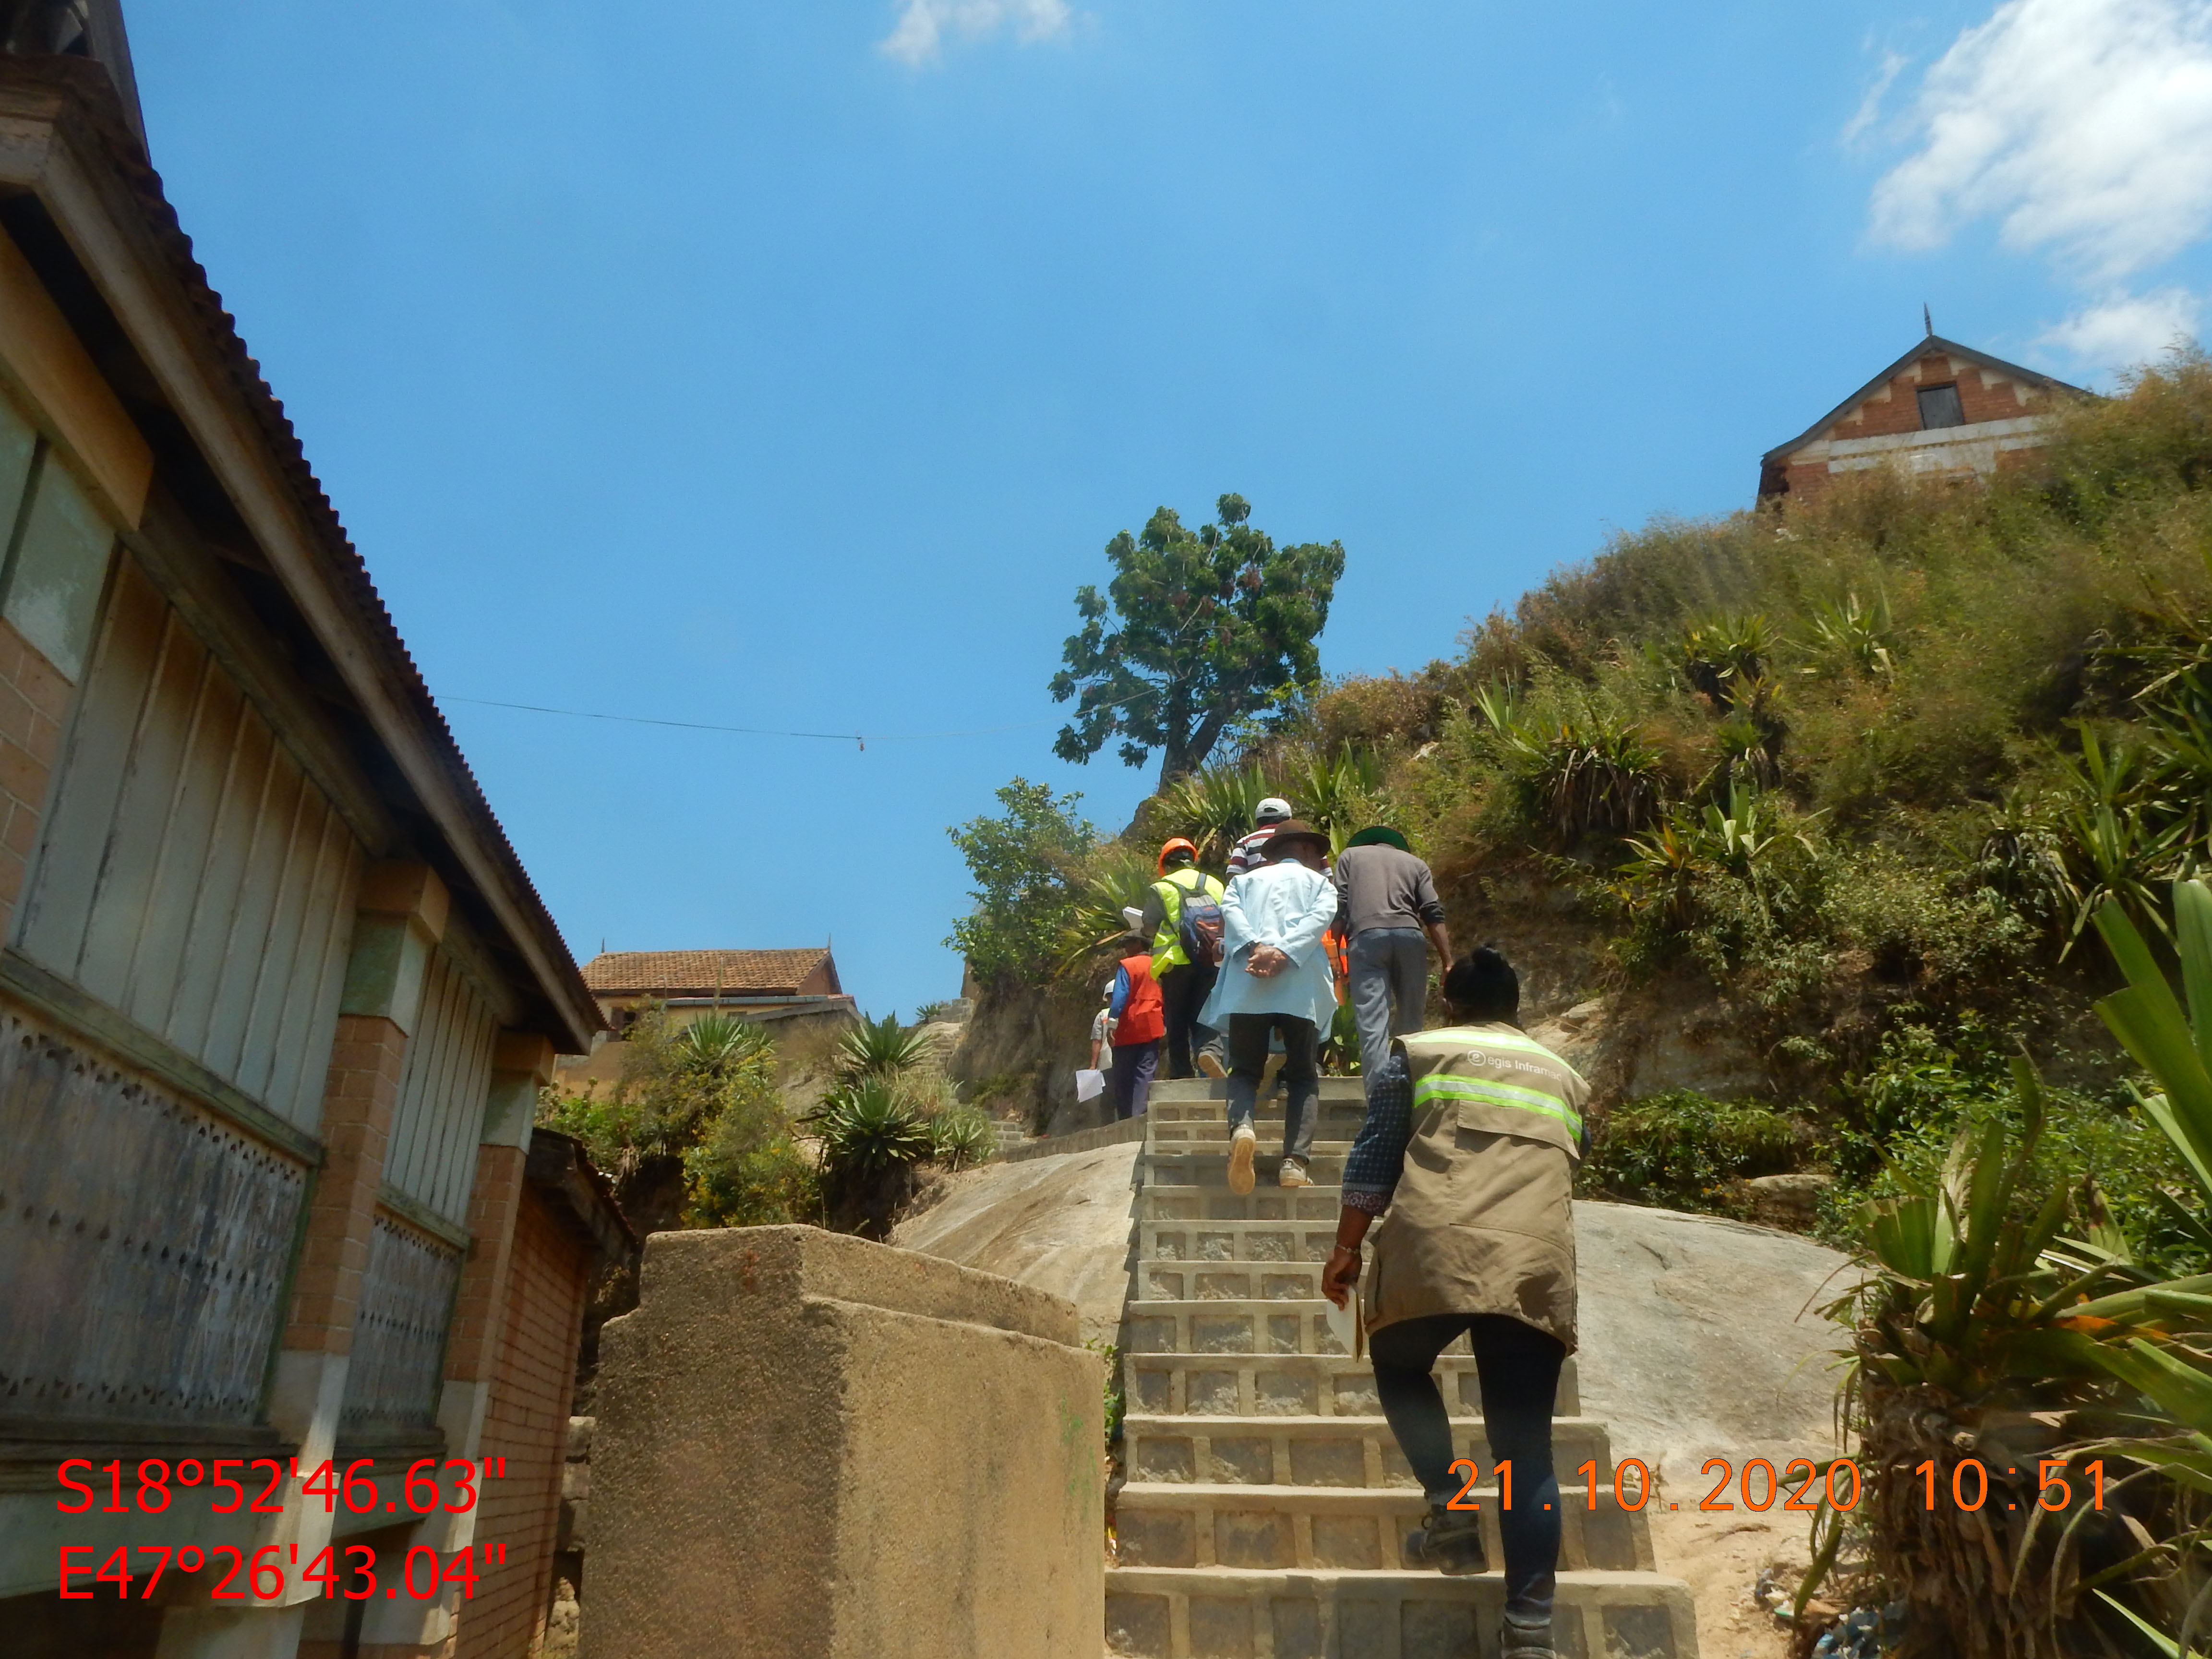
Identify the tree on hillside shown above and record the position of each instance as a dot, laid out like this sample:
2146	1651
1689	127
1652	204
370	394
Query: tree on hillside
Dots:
1197	630
1025	863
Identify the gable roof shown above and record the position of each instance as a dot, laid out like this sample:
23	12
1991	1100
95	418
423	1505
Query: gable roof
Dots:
1931	345
701	972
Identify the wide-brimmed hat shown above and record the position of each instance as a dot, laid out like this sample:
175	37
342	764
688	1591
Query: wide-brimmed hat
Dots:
1290	829
1378	834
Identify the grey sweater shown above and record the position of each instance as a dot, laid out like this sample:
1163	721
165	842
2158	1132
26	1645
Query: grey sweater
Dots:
1379	886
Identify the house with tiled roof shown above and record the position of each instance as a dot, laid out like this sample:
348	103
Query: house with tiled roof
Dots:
1943	409
790	990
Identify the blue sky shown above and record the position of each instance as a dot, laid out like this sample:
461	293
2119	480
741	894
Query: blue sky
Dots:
788	365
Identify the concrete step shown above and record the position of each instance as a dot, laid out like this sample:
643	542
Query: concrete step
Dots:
1341	1528
1265	1202
1214	1135
1318	1451
1208	1166
1156	1613
1194	1092
1227	1326
1237	1241
1217	1281
1214	1385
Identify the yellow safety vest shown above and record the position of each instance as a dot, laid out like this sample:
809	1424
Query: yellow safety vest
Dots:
1167	944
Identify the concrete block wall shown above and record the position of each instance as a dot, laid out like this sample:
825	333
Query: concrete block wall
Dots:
811	1447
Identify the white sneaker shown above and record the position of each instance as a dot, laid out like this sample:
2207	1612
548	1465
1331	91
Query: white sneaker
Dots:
1210	1063
1242	1143
1293	1173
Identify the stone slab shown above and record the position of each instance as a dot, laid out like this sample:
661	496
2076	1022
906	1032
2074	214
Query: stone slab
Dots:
811	1447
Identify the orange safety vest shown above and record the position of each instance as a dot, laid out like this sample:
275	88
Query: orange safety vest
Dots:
1143	1019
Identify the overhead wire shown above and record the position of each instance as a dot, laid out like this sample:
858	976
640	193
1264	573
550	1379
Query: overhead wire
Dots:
859	738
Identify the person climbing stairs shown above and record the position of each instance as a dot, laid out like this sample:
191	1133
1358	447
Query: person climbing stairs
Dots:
1267	1511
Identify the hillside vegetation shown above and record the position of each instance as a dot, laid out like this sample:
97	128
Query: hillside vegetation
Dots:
1846	779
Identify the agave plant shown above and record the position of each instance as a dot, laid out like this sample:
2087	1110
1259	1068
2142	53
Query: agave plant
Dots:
962	1136
1979	1401
1982	1334
868	1126
716	1045
1116	878
1664	867
2128	829
1334	794
1861	635
1213	807
1592	774
1725	660
878	1047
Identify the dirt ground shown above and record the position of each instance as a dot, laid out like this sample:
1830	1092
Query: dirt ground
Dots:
1721	1558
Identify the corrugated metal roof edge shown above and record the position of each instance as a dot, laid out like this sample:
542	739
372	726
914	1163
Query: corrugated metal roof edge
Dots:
91	101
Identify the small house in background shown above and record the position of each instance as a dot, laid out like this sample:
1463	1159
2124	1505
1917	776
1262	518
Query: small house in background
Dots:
794	991
1941	408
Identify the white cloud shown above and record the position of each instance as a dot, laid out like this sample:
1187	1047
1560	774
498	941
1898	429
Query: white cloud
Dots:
2126	329
2084	125
923	25
1869	109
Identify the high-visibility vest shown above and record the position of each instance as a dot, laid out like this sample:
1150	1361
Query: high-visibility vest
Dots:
1167	944
1500	1081
1143	1016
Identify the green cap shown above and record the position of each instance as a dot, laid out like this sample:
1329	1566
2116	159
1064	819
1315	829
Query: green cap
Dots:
1379	834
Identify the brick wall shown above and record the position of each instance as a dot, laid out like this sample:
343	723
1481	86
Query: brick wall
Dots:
366	1062
1880	416
34	700
526	1422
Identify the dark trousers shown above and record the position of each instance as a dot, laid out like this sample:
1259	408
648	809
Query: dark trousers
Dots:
1247	1063
1132	1076
1183	991
1519	1368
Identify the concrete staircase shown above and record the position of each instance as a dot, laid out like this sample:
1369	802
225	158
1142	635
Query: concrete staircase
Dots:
1266	1504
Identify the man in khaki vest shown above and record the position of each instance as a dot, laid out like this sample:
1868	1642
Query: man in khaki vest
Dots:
1471	1137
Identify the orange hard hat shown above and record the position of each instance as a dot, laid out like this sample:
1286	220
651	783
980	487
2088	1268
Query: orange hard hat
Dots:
1180	842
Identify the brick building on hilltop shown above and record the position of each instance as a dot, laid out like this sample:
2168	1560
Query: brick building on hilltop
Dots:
793	990
1941	408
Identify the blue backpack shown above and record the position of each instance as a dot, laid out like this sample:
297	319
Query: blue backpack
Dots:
1198	927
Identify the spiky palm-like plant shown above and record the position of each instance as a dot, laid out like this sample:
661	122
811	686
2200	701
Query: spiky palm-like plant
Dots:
1213	807
1985	1337
1117	877
717	1045
879	1048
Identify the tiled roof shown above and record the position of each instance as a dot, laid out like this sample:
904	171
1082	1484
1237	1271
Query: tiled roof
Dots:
698	973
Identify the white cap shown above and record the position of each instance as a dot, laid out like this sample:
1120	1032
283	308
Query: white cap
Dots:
1273	810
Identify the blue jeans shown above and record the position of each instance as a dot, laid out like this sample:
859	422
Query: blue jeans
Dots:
1389	989
1519	1368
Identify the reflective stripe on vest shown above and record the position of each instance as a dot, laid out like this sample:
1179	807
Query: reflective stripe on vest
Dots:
1441	1085
1457	1069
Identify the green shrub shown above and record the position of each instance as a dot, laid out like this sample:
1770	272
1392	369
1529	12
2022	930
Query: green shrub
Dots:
1682	1149
695	1133
1907	1109
1026	864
